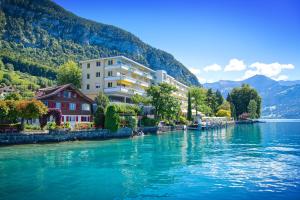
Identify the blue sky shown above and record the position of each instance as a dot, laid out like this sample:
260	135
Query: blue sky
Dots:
215	39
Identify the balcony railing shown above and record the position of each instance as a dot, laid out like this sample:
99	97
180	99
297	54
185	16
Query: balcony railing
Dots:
125	90
130	68
127	78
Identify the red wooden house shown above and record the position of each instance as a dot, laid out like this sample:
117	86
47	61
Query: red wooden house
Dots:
74	105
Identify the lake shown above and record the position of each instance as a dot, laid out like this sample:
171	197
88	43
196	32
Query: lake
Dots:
260	161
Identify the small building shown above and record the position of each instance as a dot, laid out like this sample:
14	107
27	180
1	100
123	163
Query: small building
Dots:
6	90
74	105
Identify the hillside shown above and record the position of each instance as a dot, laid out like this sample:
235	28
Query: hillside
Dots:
280	99
36	36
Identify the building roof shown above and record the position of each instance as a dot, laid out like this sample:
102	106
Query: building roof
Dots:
51	91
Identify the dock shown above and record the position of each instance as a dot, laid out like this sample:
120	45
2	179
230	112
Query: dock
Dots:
208	123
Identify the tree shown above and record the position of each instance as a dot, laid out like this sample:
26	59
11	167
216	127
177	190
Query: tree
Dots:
69	73
13	96
112	118
166	105
219	98
4	110
252	108
1	65
198	96
223	113
139	99
211	101
189	110
102	102
30	109
240	98
225	106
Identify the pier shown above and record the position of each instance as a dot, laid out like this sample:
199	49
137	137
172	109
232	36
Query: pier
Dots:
207	123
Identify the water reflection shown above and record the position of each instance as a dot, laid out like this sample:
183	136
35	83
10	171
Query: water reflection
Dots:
213	164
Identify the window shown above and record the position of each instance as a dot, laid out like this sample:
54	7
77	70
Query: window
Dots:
110	62
87	76
69	94
88	65
72	118
65	94
110	73
97	85
85	106
98	63
84	119
58	105
98	74
72	106
87	86
109	84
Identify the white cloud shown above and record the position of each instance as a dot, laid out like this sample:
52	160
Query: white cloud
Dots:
282	78
213	68
271	70
195	71
235	65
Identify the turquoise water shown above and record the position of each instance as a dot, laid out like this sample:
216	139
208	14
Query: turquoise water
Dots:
259	161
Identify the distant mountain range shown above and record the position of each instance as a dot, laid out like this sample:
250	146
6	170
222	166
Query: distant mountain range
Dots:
36	36
280	99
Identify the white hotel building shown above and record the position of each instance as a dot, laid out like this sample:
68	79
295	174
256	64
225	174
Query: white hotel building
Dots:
120	78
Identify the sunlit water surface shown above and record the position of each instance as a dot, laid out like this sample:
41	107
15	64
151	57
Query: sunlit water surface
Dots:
260	161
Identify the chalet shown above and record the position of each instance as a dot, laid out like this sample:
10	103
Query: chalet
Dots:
74	105
6	90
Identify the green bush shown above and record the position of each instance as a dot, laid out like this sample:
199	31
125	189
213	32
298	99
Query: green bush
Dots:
32	127
51	126
131	121
112	118
148	121
223	113
183	120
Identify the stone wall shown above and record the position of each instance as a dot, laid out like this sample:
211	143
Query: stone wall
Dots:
61	136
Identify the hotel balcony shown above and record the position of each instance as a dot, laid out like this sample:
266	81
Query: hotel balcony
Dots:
129	68
127	79
124	90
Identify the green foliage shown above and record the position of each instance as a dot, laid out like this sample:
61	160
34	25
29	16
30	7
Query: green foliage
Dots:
8	111
223	113
240	98
99	117
225	106
112	118
198	100
4	109
145	121
139	99
13	96
69	73
51	126
189	110
102	101
166	105
211	101
183	120
219	98
129	121
252	108
32	127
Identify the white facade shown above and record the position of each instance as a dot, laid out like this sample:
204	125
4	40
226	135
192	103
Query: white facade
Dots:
120	78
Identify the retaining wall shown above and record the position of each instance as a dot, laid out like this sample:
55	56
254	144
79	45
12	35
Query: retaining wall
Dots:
62	136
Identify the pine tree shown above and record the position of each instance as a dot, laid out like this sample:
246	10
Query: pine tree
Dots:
189	111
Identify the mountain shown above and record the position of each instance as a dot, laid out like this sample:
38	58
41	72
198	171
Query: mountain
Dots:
36	36
280	99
